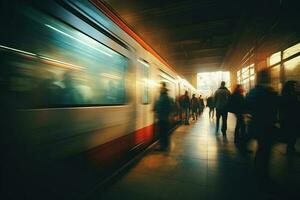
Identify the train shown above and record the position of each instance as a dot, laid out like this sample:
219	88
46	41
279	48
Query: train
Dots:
79	87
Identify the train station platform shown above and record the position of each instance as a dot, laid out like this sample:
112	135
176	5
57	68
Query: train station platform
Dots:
203	165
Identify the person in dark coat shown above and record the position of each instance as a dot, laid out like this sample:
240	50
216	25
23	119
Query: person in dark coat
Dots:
237	102
194	106
222	96
185	105
211	105
200	104
162	108
289	111
262	105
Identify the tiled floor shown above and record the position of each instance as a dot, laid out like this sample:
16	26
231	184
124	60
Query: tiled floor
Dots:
203	165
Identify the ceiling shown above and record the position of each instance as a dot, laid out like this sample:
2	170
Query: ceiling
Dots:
191	35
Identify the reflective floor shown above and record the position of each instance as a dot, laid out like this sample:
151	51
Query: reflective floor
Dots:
203	165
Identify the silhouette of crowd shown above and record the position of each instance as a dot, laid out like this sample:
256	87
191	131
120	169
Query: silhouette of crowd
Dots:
261	114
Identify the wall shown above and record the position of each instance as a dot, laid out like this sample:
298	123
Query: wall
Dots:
269	28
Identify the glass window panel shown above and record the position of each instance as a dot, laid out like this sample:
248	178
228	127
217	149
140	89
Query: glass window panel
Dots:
291	51
145	81
245	75
245	70
275	58
292	69
251	71
66	67
275	77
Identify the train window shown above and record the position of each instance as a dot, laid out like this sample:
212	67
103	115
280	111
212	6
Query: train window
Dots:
55	65
144	69
292	69
291	51
275	58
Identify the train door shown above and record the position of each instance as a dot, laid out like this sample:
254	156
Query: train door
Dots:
144	107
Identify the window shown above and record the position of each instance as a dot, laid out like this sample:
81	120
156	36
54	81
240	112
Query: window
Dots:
61	66
144	71
292	69
238	74
246	76
275	58
291	51
275	77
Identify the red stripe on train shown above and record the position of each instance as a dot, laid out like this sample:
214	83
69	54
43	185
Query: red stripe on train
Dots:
113	151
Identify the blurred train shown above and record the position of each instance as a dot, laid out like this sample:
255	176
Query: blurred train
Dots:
79	86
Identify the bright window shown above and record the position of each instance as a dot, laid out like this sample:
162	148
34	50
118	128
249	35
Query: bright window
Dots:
275	77
209	82
275	58
292	69
291	51
247	76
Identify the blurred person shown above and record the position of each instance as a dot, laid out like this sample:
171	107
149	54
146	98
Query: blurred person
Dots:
194	106
200	104
178	108
289	111
237	106
111	92
49	93
211	105
162	108
185	105
261	103
70	94
222	96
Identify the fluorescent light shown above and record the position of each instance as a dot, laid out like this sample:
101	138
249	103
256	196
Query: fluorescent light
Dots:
41	57
17	50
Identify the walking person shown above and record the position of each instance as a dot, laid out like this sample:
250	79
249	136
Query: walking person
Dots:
262	105
221	100
289	111
201	104
185	105
237	106
194	106
211	105
162	109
